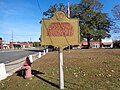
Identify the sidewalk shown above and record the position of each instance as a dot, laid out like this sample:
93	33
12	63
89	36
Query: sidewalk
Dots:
12	67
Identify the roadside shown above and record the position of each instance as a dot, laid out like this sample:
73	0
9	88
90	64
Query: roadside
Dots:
12	67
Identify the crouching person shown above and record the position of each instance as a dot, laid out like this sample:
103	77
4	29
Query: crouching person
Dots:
27	69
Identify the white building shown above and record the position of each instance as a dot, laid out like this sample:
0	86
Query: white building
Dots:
107	43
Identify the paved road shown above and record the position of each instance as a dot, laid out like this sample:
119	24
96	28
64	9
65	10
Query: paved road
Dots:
14	59
12	55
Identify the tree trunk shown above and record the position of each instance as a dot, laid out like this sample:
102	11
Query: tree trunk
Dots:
100	43
88	41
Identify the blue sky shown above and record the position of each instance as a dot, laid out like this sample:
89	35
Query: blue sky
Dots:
21	17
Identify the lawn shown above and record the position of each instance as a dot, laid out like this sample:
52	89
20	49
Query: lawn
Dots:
84	69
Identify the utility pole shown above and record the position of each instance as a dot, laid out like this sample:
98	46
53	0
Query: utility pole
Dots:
68	10
12	36
69	17
30	39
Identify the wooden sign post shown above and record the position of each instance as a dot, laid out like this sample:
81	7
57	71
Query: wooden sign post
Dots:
60	31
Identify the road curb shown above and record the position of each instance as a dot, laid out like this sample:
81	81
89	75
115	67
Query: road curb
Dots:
13	66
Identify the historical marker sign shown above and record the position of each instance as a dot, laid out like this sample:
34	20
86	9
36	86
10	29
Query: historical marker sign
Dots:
60	30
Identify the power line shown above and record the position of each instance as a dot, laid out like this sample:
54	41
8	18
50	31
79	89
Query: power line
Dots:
4	34
40	8
17	34
43	20
46	26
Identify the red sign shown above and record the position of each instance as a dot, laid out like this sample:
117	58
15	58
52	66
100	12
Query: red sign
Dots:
60	29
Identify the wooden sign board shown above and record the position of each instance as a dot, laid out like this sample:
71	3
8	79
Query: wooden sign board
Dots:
60	30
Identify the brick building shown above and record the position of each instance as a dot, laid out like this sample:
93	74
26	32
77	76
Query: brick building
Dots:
18	45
